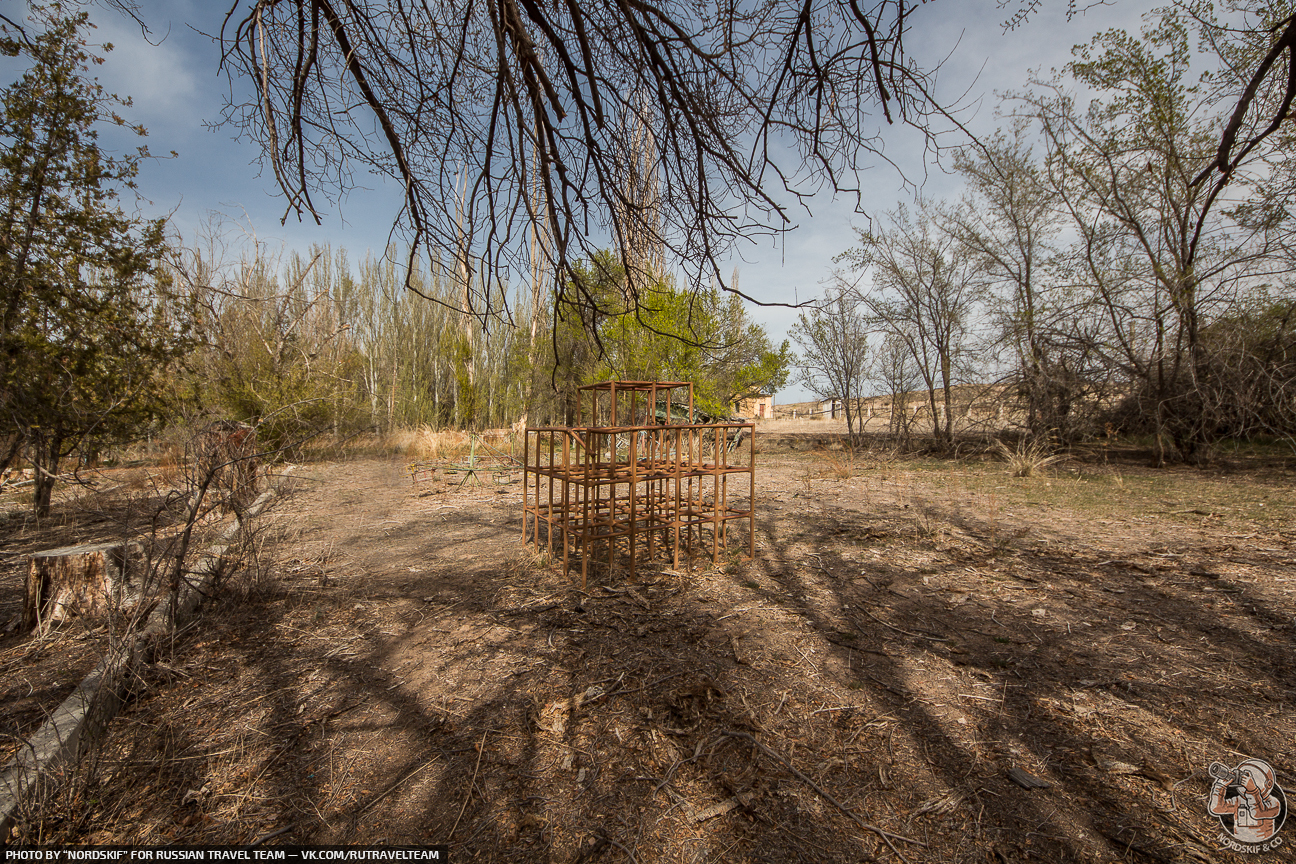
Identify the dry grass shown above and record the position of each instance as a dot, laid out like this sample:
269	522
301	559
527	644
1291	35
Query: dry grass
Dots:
1026	459
838	465
423	443
902	642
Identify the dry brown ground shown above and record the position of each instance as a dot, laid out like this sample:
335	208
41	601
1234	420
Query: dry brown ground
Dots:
38	673
401	669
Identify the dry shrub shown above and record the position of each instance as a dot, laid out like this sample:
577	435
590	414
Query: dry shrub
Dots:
453	445
170	463
135	479
837	464
424	443
499	441
417	443
1028	458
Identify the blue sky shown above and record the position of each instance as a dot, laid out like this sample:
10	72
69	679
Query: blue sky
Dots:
178	91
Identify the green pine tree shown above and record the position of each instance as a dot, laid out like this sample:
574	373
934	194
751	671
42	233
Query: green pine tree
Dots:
87	323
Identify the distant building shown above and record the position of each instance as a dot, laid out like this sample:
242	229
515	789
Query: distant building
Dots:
758	407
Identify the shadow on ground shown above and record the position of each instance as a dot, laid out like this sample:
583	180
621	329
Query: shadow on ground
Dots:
883	682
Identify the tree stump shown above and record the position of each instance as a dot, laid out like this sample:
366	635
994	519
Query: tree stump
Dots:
87	581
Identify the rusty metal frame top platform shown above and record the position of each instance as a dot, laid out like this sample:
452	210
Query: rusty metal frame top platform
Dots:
629	391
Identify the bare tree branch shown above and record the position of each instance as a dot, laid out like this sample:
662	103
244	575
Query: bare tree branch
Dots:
750	109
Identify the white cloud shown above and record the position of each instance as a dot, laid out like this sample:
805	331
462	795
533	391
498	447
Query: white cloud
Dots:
160	79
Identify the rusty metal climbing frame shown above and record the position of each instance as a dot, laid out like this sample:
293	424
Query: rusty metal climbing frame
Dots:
637	478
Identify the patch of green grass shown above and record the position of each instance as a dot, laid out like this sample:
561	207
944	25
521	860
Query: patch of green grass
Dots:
1134	490
1260	447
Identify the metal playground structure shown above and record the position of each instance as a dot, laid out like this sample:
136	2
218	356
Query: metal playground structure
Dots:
636	478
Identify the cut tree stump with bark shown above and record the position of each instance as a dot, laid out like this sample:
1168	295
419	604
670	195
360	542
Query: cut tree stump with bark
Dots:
86	581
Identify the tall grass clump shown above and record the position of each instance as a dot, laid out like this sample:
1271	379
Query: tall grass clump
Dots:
1027	458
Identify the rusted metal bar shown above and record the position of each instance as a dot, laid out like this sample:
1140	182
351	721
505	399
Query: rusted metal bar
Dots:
624	484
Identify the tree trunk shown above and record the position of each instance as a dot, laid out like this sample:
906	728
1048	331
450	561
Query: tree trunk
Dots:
79	581
45	459
931	406
10	451
948	406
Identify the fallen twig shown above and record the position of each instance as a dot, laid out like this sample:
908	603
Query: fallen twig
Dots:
836	708
1142	849
893	691
612	693
273	834
670	772
905	632
400	781
481	748
867	826
630	854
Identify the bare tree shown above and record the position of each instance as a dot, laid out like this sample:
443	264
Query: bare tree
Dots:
639	214
895	369
925	285
1011	219
834	358
1160	253
539	103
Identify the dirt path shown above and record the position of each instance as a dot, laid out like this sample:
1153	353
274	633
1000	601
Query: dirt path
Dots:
397	668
